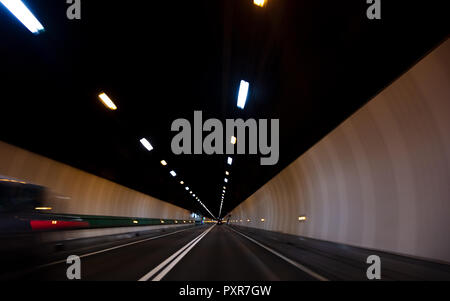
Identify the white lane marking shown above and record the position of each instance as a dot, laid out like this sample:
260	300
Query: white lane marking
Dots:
175	262
112	248
296	264
190	245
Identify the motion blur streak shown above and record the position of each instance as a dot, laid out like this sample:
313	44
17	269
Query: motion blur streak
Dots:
24	15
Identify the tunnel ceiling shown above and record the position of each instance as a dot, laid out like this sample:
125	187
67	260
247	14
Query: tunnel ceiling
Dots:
310	64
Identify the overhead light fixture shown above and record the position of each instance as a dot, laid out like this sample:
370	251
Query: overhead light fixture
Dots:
43	208
146	144
227	173
243	93
163	163
233	140
182	182
302	218
259	3
107	101
24	15
226	180
190	192
263	220
187	188
173	173
224	187
230	161
193	195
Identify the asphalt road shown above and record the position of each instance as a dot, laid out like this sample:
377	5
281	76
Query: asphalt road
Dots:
205	253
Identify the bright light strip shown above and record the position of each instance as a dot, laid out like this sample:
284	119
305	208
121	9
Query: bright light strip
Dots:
173	173
230	161
43	208
24	15
107	101
146	144
259	3
243	93
302	218
163	163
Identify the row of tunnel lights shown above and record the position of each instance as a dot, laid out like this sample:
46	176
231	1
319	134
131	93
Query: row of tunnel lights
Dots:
242	99
110	104
227	173
174	174
263	220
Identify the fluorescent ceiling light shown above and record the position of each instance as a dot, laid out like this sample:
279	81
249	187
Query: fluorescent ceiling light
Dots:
43	208
107	101
243	93
163	162
259	3
24	15
146	144
230	161
173	173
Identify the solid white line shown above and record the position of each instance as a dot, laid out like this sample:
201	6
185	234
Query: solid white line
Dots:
112	248
296	264
150	274
175	262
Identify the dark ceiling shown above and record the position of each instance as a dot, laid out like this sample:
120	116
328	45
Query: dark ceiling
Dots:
310	64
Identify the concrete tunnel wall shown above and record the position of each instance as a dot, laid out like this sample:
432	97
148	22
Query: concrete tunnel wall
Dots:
381	180
82	193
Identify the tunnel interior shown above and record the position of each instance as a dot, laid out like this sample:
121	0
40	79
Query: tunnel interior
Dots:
243	140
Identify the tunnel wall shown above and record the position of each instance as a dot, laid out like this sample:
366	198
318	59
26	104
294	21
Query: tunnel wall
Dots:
381	180
73	191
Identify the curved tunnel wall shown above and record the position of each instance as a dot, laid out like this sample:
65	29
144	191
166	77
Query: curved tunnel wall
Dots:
81	192
380	180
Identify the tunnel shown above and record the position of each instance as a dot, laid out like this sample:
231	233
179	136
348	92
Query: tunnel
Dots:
243	142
